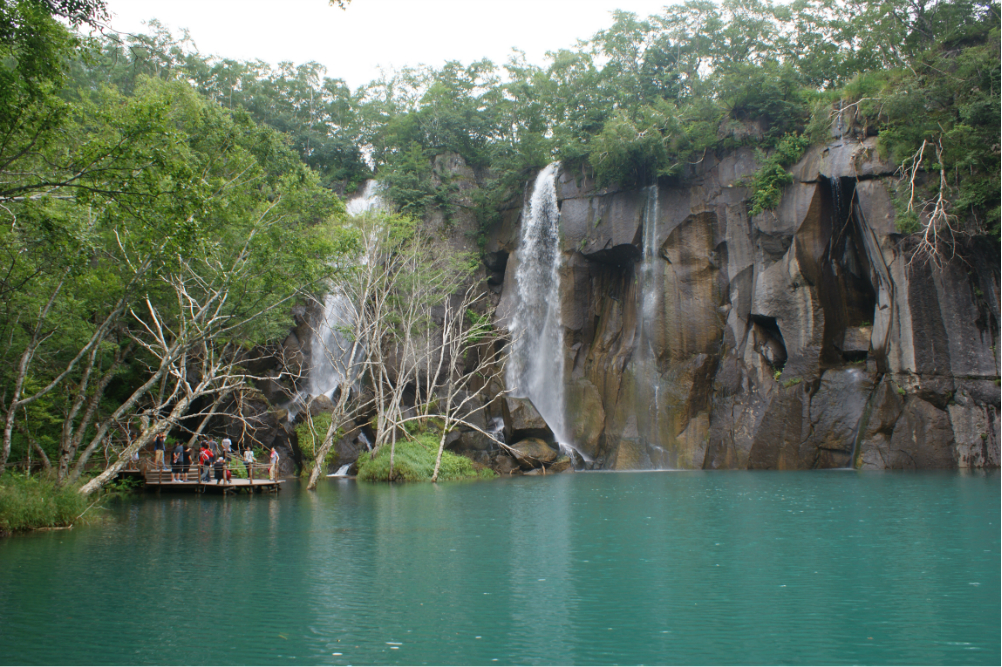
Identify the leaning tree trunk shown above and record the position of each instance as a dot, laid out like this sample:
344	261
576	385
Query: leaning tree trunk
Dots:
180	408
445	432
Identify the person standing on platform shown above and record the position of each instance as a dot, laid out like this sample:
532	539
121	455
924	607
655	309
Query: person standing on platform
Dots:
227	448
249	462
158	451
175	469
273	468
186	461
219	467
205	462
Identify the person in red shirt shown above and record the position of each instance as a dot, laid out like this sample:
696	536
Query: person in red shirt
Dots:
205	461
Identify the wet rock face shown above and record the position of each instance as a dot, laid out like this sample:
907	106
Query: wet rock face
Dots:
811	336
533	453
522	419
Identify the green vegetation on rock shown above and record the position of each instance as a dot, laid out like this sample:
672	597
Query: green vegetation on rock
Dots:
414	461
768	182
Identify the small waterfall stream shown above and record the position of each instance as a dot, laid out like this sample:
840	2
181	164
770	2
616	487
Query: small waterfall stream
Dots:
342	471
536	365
647	277
647	375
496	429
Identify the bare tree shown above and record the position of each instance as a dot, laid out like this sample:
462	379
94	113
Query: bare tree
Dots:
463	337
195	343
413	329
365	287
937	232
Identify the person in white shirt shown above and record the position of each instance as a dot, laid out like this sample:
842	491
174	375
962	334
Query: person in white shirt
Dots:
249	461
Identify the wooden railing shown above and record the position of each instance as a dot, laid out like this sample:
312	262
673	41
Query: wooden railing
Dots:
196	472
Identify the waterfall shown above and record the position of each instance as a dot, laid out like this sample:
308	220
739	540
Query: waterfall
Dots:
647	278
342	471
536	365
330	347
496	429
369	200
646	373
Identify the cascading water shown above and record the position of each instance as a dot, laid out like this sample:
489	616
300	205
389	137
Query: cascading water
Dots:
536	365
330	347
647	277
645	367
369	200
342	471
496	429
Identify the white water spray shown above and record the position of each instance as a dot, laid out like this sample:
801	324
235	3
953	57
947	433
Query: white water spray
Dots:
536	367
496	429
342	471
647	277
369	200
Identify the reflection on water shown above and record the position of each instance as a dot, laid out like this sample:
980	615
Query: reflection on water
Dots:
693	567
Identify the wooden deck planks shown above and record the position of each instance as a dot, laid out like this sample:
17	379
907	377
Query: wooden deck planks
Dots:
239	484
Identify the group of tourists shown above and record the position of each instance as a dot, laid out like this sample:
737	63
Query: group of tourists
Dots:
213	460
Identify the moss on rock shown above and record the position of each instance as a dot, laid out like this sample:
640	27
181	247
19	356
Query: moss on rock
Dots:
414	461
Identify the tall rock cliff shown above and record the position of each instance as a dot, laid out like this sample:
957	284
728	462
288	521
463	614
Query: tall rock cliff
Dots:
811	336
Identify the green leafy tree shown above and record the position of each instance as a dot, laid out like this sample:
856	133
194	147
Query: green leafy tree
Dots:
178	199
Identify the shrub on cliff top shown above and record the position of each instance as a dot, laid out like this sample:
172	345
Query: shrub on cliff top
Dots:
768	182
414	461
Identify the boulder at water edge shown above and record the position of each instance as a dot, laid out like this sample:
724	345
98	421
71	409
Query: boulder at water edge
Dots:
533	452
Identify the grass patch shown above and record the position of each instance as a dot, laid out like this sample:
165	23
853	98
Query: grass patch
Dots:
29	502
414	461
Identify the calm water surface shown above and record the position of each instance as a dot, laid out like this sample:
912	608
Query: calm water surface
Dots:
693	567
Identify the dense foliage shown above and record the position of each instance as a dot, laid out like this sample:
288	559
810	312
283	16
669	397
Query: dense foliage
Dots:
641	100
28	502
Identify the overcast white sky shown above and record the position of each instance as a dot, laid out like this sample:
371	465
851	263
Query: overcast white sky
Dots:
353	44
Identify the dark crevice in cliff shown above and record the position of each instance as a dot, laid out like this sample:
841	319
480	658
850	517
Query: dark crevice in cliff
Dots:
496	264
769	340
847	296
621	255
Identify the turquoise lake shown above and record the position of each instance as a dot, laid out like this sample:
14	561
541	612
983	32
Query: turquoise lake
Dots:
834	567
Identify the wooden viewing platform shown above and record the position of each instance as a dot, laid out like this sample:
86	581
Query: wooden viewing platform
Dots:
160	480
